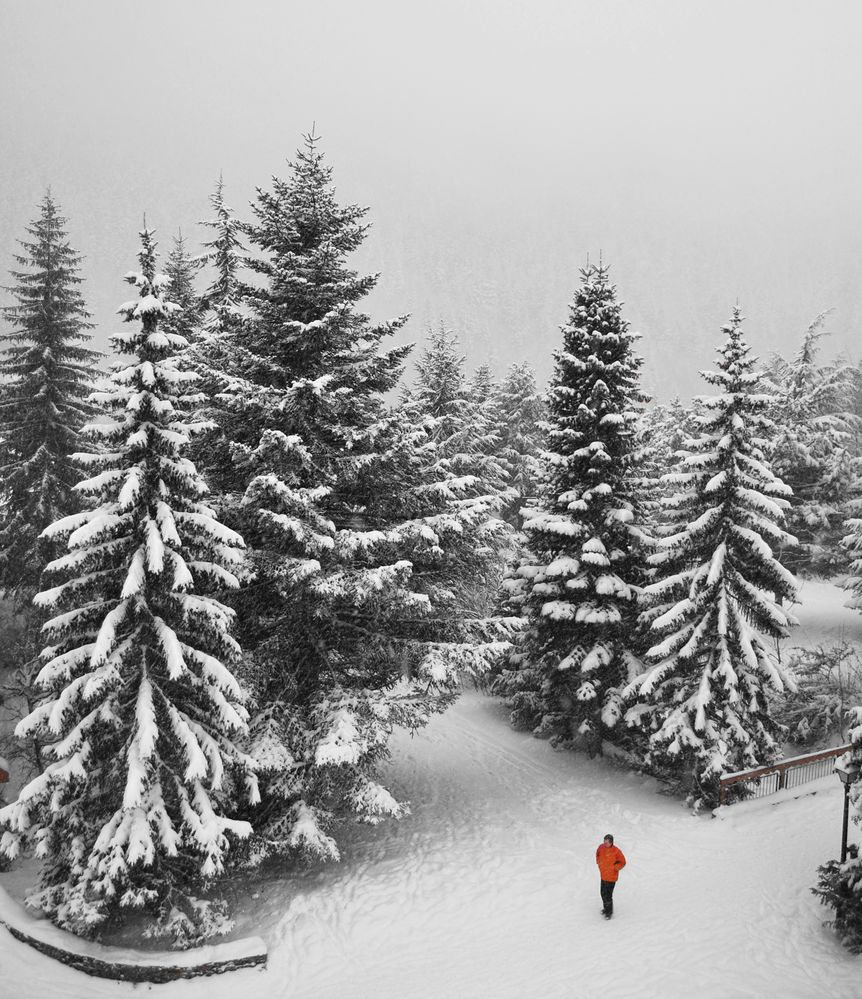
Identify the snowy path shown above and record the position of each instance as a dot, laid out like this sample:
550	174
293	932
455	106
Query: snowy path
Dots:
490	889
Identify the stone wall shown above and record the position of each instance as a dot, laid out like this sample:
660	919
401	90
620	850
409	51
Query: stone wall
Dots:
123	964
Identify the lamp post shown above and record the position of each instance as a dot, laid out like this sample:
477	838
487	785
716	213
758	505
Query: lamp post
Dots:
847	773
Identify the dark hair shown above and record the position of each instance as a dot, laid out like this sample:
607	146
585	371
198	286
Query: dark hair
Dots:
608	836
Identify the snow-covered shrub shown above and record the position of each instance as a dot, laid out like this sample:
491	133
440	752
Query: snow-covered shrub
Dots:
840	886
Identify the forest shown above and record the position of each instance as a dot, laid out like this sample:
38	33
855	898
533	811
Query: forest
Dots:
235	564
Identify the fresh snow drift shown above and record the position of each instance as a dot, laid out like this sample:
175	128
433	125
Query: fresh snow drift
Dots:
490	889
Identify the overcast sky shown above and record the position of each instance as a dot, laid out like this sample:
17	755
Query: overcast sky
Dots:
710	151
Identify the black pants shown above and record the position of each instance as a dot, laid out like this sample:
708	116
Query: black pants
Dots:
608	896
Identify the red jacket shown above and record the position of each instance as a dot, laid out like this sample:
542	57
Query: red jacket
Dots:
611	861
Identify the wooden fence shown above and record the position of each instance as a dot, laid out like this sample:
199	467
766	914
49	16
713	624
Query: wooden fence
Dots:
785	774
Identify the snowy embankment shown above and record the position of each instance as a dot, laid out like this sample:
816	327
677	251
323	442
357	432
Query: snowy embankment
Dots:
125	963
489	889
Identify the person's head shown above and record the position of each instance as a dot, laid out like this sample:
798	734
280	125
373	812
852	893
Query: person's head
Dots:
609	840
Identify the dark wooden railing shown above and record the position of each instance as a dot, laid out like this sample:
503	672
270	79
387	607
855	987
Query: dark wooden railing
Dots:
784	774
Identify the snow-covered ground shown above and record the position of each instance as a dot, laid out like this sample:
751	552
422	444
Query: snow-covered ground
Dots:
490	889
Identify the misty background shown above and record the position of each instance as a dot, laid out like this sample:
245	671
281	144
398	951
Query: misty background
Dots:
710	152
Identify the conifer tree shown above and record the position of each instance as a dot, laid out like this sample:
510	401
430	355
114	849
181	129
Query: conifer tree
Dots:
716	603
464	424
662	432
519	412
813	450
227	255
214	352
484	430
482	385
439	388
579	583
181	270
46	375
139	708
350	619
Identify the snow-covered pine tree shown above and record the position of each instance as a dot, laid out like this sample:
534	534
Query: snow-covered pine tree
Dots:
484	432
520	412
227	255
439	388
46	374
481	386
716	604
140	708
464	424
813	451
181	269
662	432
351	620
579	583
214	350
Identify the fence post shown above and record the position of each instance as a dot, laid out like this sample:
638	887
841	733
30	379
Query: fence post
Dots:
782	778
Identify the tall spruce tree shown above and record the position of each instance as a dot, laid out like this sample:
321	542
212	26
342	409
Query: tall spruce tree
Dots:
219	342
351	617
46	374
181	269
662	432
227	256
813	450
520	413
579	583
481	386
140	708
716	604
462	421
439	388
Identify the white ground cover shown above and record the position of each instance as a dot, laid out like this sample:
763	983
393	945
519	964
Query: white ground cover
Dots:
490	889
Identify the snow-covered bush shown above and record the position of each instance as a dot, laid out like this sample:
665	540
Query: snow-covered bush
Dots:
840	886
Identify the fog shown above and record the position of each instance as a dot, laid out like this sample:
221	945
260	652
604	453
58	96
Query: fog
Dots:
710	152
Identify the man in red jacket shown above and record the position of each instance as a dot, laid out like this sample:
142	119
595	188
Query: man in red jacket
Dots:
611	861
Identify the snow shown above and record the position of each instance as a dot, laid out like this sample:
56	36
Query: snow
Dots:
45	932
489	886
